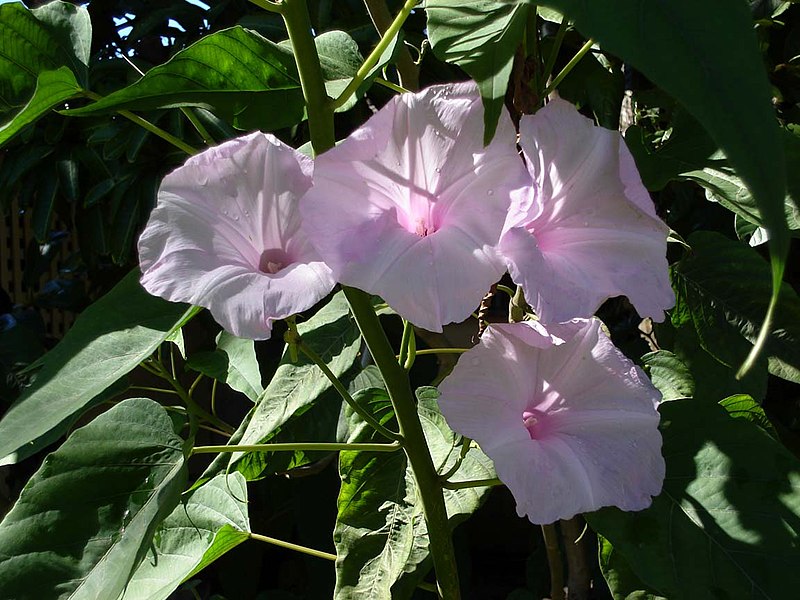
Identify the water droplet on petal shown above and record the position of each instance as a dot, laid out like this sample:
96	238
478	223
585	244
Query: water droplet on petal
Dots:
438	170
235	217
490	193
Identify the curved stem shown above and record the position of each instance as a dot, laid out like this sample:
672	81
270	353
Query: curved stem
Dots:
292	446
551	58
442	351
382	19
339	386
416	447
145	124
568	67
376	54
276	7
408	332
318	105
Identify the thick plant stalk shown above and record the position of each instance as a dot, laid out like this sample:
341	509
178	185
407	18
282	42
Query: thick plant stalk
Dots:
320	122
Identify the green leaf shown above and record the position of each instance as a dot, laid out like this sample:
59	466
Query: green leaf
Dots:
235	73
210	521
108	340
380	533
744	407
333	335
233	362
705	55
85	519
340	59
723	288
481	38
621	580
669	374
52	89
727	521
52	36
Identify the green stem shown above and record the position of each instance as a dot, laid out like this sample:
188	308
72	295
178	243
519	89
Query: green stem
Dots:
339	386
517	306
465	443
292	446
275	7
192	406
471	483
164	135
408	331
382	19
416	447
291	546
568	67
391	86
551	58
152	389
318	104
376	54
442	351
198	125
412	352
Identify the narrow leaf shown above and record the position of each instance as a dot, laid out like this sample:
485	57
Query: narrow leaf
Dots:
108	340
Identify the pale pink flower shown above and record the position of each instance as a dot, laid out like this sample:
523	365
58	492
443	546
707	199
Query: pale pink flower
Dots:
226	235
411	205
570	423
587	230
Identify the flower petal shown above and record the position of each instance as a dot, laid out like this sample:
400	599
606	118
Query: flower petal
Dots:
411	205
589	232
569	422
218	218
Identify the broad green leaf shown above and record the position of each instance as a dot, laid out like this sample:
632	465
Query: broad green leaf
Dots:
108	340
622	582
598	85
727	521
235	73
380	534
480	37
85	519
340	59
54	35
744	407
713	379
333	335
52	89
71	28
669	374
233	362
207	523
723	288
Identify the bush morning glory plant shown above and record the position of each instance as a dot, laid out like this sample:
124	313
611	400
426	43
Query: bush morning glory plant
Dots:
455	275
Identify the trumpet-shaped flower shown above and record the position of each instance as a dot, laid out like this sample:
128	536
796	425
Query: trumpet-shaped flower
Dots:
411	206
226	235
569	422
587	229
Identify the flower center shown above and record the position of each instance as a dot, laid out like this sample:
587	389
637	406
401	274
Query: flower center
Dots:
533	422
422	228
273	260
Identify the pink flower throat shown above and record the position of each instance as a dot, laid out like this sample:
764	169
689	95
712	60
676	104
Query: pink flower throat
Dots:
273	260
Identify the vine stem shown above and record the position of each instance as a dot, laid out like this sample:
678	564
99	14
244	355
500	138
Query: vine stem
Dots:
320	122
554	560
416	447
318	105
471	483
291	546
339	386
145	124
376	54
291	446
568	67
382	19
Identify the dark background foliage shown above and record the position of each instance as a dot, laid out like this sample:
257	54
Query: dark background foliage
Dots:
92	181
